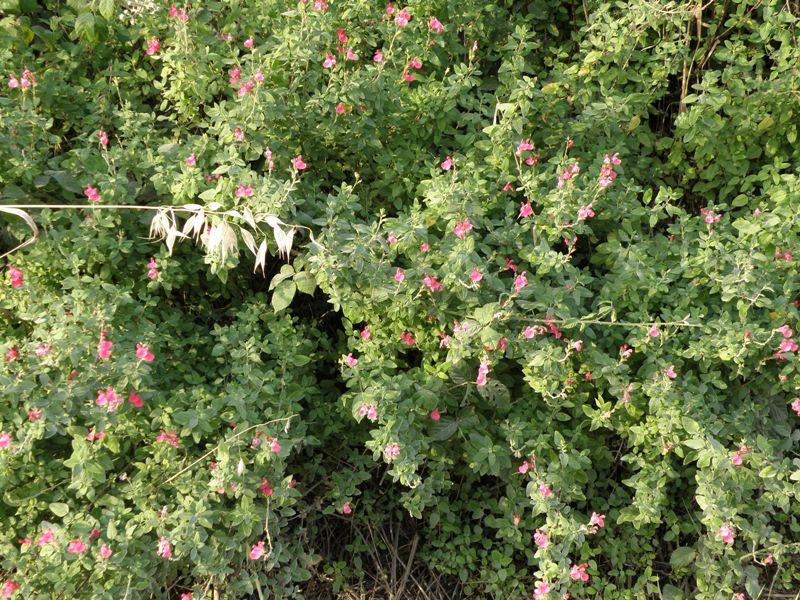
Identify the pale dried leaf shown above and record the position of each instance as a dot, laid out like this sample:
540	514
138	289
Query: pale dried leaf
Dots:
194	207
30	222
249	241
248	216
271	220
261	257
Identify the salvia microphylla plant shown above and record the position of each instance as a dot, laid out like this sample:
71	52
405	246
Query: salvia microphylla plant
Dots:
523	273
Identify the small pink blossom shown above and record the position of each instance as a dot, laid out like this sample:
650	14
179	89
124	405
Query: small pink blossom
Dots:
508	187
625	351
143	353
350	55
5	440
168	438
391	451
164	548
435	25
462	228
16	277
541	591
191	160
670	372
579	572
248	43
785	331
42	350
540	537
378	57
796	406
346	509
92	193
244	192
435	416
329	62
45	537
726	533
545	490
298	163
339	108
577	345
483	371
238	134
257	551
9	587
12	354
415	63
653	331
399	275
368	410
424	247
520	281
447	164
476	275
787	345
350	361
597	520
13	82
402	18
407	338
585	212
365	333
105	551
523	468
525	209
76	546
432	283
109	399
407	76
152	268
768	559
103	138
136	400
34	414
153	46
736	459
265	487
104	348
94	435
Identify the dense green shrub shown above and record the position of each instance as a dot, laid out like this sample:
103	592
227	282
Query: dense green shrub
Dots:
523	271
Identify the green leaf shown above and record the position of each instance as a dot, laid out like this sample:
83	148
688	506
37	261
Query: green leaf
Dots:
768	472
690	425
305	282
84	27
682	556
59	509
283	295
670	592
107	9
443	429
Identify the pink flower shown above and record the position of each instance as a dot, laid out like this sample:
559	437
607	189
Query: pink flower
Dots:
523	468
109	399
399	275
508	187
597	520
389	9
257	551
34	414
186	596
152	268
164	548
542	588
736	459
532	160
625	351
431	282
447	163
298	163
768	559
143	353
540	537
13	82
435	25
415	63
577	345
191	160
248	43
258	76
244	192
350	361
12	354
653	331
42	350
407	76
461	228
584	212
378	56
234	75
92	193
238	134
153	46
424	247
785	331
670	372
796	406
787	346
16	277
342	36
94	435
524	146
136	400
579	572
402	18
45	537
369	411
407	338
525	209
169	438
329	62
391	238
104	348
545	491
520	281
350	55
265	488
76	546
105	551
339	108
726	533
435	414
103	137
5	440
475	275
483	371
9	587
391	451
274	445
